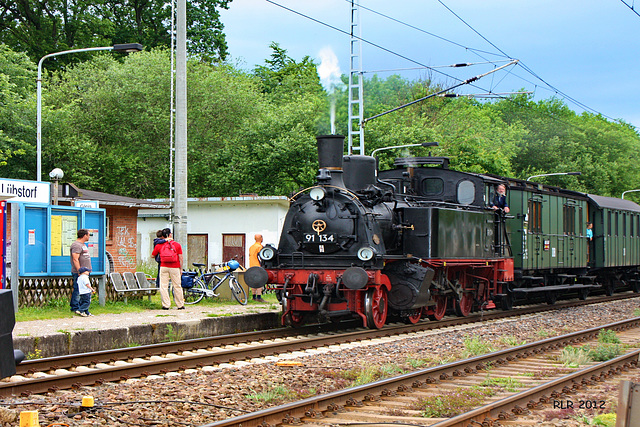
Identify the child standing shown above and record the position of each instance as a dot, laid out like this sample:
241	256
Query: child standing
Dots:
85	290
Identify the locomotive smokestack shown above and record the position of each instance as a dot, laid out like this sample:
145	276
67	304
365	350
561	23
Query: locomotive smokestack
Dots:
330	151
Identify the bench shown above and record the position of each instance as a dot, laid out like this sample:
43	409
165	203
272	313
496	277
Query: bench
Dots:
119	285
126	284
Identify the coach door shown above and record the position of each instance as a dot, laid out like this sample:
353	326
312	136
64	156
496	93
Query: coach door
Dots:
233	247
536	242
198	250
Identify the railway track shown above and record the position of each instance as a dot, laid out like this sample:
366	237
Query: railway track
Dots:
43	375
393	400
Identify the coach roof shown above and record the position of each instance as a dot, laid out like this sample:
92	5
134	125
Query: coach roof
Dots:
614	203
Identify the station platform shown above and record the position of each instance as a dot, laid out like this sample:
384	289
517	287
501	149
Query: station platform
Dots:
55	337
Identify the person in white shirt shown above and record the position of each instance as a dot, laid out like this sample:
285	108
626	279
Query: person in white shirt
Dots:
85	290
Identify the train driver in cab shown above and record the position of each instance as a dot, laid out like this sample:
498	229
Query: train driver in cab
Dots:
500	199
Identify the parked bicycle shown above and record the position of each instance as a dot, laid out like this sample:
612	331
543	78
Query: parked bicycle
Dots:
197	285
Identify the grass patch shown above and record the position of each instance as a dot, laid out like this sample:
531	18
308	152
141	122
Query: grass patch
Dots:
511	341
452	403
542	333
607	336
574	357
272	395
371	374
504	383
475	347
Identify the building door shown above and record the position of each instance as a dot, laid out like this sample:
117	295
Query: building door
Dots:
233	247
198	250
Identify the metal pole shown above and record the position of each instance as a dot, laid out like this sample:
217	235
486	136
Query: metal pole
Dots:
628	191
15	239
180	217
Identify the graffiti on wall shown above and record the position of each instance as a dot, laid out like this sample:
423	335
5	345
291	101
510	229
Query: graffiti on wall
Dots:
126	259
125	240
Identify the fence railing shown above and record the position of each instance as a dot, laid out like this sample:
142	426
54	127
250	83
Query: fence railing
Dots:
38	292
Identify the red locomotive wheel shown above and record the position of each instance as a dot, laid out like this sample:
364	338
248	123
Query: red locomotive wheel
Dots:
439	309
375	307
463	307
414	317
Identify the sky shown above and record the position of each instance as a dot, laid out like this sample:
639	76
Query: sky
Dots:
587	50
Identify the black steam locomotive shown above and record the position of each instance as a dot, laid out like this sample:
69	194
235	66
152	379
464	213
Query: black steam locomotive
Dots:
420	239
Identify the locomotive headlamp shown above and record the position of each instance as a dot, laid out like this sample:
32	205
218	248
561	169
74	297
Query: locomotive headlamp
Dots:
317	193
365	253
267	253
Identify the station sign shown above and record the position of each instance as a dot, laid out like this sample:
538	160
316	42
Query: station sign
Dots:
86	204
25	191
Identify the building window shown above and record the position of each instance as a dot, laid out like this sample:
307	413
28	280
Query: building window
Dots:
107	228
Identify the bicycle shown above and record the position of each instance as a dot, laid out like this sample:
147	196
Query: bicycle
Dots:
206	284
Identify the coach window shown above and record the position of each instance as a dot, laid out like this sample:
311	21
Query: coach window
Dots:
432	186
631	219
617	224
624	224
466	192
609	223
569	220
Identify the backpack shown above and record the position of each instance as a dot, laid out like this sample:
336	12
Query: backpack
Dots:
168	253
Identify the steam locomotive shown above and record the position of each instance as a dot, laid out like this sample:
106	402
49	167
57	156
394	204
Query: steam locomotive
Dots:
419	241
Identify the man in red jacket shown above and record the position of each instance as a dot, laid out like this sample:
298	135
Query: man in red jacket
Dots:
170	268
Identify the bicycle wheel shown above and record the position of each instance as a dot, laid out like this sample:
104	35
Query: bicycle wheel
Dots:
194	294
237	291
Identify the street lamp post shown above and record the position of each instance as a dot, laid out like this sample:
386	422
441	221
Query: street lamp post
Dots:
124	48
628	191
552	174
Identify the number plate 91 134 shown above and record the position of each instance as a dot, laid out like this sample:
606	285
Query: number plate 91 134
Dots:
320	238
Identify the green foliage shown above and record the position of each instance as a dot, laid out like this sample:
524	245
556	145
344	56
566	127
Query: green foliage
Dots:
512	341
607	336
274	394
43	27
475	347
452	403
577	356
17	114
370	374
607	420
574	357
604	351
509	384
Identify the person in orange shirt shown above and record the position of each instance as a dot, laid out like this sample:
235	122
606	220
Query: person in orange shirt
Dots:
254	250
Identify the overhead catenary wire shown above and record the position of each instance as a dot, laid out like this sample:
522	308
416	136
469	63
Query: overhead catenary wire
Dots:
468	81
630	7
549	86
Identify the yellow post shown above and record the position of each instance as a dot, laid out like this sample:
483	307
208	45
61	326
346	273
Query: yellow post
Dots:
29	419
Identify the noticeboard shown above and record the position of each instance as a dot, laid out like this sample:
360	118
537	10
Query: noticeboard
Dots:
47	231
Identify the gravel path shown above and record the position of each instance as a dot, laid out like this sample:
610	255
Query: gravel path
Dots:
222	392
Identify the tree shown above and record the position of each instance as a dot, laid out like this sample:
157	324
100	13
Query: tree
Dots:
45	26
17	114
